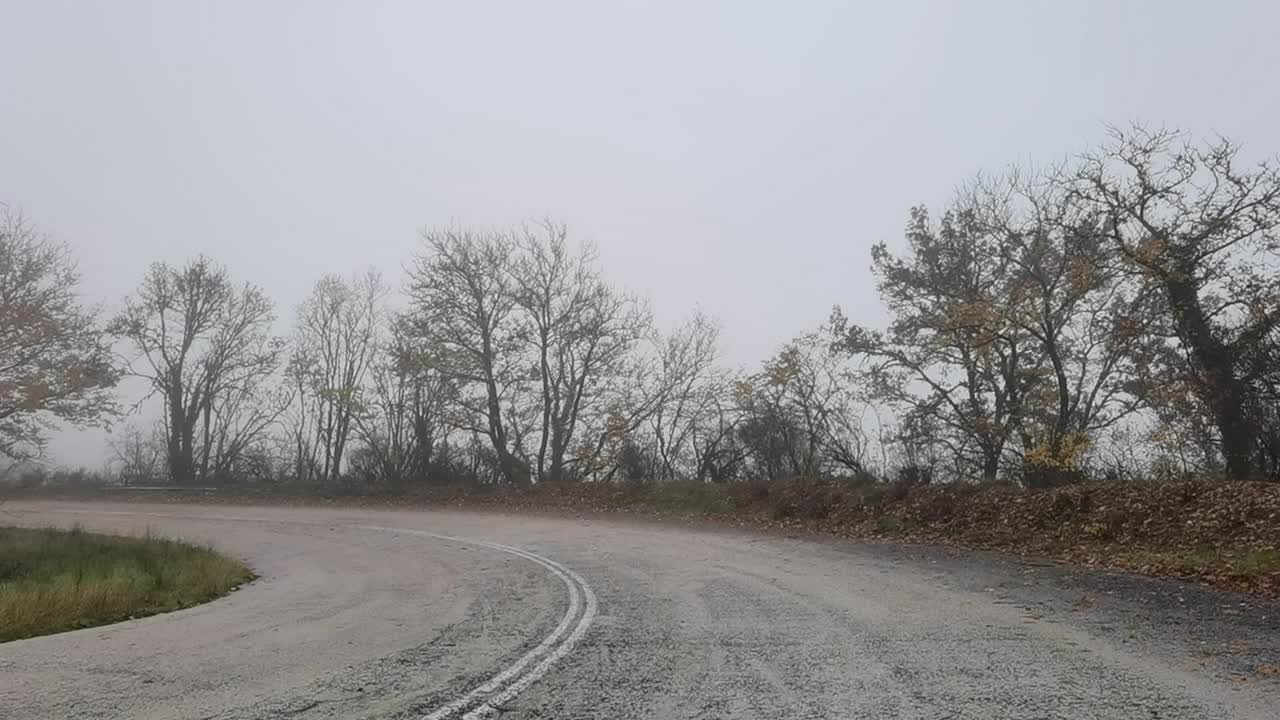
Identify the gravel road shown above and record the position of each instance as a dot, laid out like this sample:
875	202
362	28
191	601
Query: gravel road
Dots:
383	614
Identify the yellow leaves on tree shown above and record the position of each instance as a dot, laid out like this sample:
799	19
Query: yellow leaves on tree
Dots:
1066	454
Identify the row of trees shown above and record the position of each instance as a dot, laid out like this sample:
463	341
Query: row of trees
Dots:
514	361
1136	287
1115	316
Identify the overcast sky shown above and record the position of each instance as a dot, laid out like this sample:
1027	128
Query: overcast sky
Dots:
738	156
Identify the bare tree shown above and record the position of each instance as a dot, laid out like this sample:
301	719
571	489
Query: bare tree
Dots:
242	420
199	340
693	404
336	339
717	455
54	363
1198	229
578	331
463	298
405	415
531	334
651	380
138	454
801	416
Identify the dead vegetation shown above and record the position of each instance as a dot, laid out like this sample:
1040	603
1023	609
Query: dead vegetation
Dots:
1226	534
1222	533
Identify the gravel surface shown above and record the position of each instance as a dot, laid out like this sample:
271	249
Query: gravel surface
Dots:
370	614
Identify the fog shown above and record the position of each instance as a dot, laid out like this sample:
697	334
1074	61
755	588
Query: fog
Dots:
738	157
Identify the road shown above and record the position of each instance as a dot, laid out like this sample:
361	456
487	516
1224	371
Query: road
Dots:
396	614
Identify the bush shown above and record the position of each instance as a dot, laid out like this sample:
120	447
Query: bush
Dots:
914	475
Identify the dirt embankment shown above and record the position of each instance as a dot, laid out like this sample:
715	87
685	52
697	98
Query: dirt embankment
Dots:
1225	534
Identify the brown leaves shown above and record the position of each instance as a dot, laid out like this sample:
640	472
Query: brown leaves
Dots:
54	362
1216	533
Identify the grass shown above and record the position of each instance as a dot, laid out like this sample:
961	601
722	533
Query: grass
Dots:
1238	561
1240	568
54	580
698	498
1260	560
1251	561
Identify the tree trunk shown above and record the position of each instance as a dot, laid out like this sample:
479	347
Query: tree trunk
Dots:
1062	422
179	473
423	445
990	466
182	455
1222	391
507	464
206	443
498	437
556	472
177	470
340	441
181	447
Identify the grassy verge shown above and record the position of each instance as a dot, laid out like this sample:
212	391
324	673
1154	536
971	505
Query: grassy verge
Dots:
54	580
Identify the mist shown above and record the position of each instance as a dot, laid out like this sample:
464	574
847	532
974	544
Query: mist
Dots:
740	158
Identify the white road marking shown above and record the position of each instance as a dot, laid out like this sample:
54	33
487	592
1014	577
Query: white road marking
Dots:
492	693
588	616
508	683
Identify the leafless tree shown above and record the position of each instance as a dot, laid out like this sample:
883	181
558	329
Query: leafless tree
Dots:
463	298
661	374
200	341
137	454
535	339
694	403
242	421
54	363
578	332
718	456
405	414
336	339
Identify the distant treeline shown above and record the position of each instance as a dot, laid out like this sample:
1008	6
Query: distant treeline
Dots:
1115	316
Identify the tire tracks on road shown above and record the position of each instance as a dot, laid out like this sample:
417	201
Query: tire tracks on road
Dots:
488	698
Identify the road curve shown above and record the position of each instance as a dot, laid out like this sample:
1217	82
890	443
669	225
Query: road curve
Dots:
382	614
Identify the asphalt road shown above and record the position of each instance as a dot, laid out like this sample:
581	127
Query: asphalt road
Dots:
380	614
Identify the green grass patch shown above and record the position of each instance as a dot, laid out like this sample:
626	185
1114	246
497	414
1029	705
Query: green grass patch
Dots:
54	580
1257	561
893	525
1205	558
697	498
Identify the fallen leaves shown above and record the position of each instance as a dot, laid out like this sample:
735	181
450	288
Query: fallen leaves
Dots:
1224	534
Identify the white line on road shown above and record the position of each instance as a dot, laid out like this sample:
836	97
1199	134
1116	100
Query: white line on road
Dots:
492	693
588	616
511	681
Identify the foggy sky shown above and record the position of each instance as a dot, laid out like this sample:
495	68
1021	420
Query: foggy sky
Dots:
741	157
